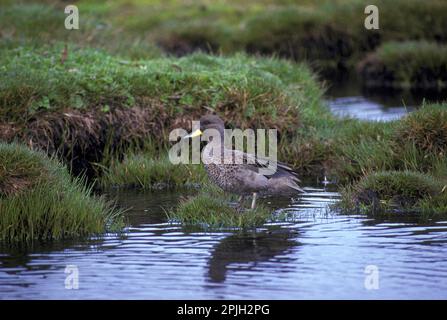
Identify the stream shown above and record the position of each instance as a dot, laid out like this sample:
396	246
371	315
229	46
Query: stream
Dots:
318	254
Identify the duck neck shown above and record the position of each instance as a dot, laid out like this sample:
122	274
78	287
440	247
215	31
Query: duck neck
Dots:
215	149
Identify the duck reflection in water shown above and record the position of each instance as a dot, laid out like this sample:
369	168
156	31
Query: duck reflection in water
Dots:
249	249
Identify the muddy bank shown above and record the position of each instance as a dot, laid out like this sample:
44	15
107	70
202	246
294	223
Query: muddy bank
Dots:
83	138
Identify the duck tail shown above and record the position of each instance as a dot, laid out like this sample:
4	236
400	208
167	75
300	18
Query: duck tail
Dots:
296	187
284	181
290	176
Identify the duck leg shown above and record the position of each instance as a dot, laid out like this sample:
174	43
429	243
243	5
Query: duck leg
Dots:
253	202
240	205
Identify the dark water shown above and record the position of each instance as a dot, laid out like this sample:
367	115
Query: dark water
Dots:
348	98
318	255
363	108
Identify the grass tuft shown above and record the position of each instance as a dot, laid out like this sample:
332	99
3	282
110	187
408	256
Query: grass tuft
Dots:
400	192
426	129
211	209
40	200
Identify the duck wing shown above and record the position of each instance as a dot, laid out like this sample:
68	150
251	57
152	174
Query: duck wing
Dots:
255	163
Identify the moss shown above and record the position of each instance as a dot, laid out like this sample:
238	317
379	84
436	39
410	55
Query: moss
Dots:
414	64
142	171
39	199
211	209
399	192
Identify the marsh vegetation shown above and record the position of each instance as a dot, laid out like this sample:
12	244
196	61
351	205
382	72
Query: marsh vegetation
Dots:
103	99
39	200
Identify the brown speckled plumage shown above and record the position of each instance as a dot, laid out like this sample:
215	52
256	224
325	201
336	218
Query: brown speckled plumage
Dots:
244	178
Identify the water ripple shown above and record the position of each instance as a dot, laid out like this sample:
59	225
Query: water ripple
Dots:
317	254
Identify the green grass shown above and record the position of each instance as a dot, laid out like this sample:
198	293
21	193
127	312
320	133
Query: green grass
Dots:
40	200
142	171
406	171
94	102
211	209
347	149
311	30
426	129
334	146
31	24
397	192
36	80
411	64
115	90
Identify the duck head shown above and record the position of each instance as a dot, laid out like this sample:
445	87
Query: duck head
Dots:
209	121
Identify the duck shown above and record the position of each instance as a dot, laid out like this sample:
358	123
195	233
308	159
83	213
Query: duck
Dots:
244	178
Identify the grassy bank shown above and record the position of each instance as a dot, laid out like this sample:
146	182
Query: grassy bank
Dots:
403	65
95	97
407	172
93	104
397	193
92	108
40	200
348	149
316	31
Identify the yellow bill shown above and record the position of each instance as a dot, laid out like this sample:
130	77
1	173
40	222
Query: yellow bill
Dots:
196	133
